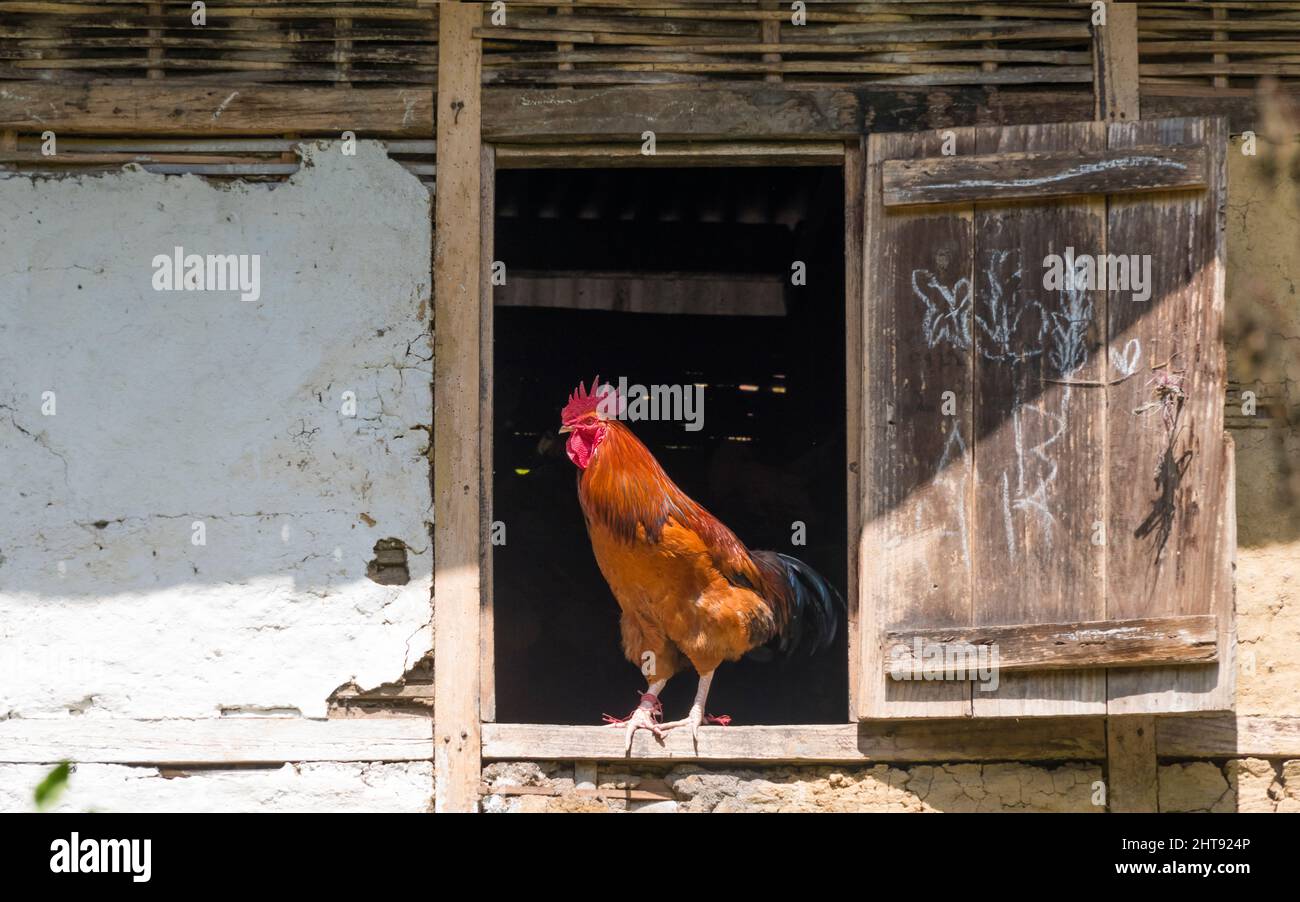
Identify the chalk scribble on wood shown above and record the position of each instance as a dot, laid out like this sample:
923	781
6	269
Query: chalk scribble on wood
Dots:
1036	174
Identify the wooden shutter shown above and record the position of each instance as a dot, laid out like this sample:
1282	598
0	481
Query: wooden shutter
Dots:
1045	468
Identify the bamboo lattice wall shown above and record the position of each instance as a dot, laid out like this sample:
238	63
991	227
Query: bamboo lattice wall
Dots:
1225	44
602	42
562	44
270	42
290	42
605	42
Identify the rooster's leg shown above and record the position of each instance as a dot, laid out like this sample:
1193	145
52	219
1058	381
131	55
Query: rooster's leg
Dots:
697	715
645	717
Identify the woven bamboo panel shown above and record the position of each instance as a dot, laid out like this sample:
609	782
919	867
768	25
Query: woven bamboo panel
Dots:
600	42
267	41
603	42
1225	44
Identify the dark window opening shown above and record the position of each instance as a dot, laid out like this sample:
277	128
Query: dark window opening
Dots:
590	255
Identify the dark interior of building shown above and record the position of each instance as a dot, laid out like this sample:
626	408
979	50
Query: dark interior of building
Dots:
668	277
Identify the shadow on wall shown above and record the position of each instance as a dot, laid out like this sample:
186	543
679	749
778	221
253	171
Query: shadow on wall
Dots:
1262	328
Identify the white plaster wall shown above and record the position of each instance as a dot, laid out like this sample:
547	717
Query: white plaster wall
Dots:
176	407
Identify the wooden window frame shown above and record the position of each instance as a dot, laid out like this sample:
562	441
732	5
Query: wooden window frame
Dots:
738	743
464	734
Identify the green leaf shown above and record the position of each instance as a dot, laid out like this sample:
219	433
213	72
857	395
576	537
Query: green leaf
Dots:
49	789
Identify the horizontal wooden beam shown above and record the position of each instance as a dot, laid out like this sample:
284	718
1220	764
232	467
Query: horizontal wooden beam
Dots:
754	111
1045	739
189	146
1240	106
629	155
704	294
1227	736
1190	639
153	108
276	740
227	740
1026	175
760	111
74	158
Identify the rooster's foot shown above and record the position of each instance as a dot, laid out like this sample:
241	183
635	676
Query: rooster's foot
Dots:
694	720
645	717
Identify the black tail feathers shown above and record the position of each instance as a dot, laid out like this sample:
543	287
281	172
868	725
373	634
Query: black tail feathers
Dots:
815	608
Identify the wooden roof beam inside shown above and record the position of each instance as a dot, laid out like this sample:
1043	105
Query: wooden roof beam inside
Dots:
742	111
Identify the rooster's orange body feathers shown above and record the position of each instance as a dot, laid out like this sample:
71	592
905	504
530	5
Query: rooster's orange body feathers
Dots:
685	583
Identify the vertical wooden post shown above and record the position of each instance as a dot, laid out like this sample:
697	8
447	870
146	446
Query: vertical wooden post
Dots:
564	46
1220	81
989	65
769	32
487	623
457	502
343	51
1131	767
1115	64
855	190
155	53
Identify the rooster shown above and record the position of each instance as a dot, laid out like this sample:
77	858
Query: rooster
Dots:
689	590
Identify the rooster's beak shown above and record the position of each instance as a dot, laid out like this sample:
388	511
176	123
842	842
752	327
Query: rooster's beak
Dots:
564	429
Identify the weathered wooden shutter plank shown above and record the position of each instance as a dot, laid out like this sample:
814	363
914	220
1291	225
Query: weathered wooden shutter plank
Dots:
917	490
1039	461
1091	644
1167	516
1037	174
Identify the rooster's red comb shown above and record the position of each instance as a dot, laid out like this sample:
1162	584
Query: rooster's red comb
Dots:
583	401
